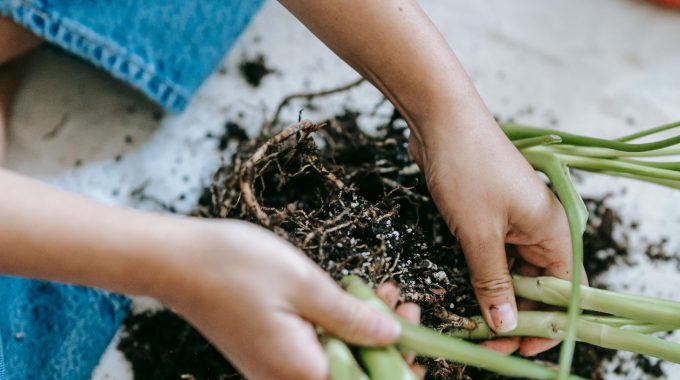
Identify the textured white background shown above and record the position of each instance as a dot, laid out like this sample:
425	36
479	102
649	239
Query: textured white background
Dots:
603	67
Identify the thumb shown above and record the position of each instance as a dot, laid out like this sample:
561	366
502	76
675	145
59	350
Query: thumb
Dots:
328	306
492	282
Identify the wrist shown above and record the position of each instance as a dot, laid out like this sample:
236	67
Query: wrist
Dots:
173	268
195	262
458	116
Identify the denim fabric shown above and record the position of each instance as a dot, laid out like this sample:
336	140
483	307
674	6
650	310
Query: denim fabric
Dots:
166	49
3	376
52	331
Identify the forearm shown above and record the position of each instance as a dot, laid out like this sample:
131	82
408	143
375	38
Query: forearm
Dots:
395	45
49	234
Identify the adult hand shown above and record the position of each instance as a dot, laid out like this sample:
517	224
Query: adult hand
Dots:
485	189
490	196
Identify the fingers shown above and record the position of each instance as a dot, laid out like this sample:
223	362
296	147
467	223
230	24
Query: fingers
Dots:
533	346
346	317
418	370
503	345
543	240
299	354
389	294
492	282
410	312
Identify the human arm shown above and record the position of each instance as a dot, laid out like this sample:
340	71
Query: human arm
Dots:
486	191
252	294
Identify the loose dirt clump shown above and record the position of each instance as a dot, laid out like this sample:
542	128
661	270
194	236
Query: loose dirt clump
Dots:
254	70
356	204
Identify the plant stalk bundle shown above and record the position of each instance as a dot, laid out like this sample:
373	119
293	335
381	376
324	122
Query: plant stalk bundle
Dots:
630	319
554	152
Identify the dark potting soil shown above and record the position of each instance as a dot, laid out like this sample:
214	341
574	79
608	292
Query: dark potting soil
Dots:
355	204
253	70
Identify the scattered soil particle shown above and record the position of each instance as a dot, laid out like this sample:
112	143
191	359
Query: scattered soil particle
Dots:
253	70
601	249
232	132
354	203
649	366
157	115
185	351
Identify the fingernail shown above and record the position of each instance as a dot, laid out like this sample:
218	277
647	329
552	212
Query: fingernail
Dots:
503	317
389	327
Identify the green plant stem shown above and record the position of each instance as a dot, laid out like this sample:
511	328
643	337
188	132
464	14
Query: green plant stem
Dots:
649	328
342	365
516	132
608	153
614	165
649	132
628	324
663	182
666	165
577	217
385	363
535	141
554	291
427	342
553	325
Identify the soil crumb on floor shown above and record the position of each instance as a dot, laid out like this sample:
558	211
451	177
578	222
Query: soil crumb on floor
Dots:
356	204
254	70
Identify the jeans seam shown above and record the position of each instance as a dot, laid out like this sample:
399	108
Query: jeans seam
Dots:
101	53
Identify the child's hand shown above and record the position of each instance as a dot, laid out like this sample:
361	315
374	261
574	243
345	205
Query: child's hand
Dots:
490	196
252	294
257	298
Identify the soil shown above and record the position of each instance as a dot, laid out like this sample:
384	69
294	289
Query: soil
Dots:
254	70
355	204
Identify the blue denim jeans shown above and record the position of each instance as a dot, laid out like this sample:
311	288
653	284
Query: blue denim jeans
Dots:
165	49
52	331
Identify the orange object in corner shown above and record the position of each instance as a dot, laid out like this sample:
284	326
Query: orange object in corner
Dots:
669	3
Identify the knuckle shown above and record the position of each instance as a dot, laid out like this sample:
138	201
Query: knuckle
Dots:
490	287
351	320
340	315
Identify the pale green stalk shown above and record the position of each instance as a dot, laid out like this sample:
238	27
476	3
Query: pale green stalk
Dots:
553	325
613	165
649	132
649	328
598	155
667	165
662	182
385	363
341	362
535	141
584	151
577	217
628	324
516	132
427	342
555	291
